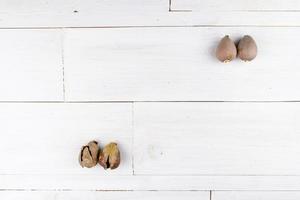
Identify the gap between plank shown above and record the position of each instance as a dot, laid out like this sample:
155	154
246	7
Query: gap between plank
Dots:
132	137
158	26
70	102
159	175
63	63
77	190
258	11
87	190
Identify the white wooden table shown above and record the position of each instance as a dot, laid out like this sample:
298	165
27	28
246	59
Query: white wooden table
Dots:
144	74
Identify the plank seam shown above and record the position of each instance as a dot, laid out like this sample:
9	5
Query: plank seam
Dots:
75	190
63	64
215	175
120	190
71	102
132	139
138	175
98	190
253	11
158	26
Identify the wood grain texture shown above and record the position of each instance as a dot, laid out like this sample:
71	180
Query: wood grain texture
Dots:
271	195
216	138
47	138
212	18
103	13
87	182
233	5
154	50
105	195
178	64
69	13
31	65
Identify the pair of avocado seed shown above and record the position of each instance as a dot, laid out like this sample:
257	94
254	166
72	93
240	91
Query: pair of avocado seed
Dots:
227	51
91	154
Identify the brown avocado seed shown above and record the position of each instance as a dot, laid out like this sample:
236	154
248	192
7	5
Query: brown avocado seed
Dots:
226	50
247	48
89	155
110	156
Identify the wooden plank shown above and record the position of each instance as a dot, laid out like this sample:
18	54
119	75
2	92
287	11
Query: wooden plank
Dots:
235	13
105	195
178	64
212	18
55	13
266	195
137	182
233	5
47	138
103	13
216	139
31	65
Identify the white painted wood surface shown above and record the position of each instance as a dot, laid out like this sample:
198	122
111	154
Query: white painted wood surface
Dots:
74	71
105	195
104	13
211	18
31	65
216	138
233	145
266	195
46	138
88	182
56	13
178	64
236	5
